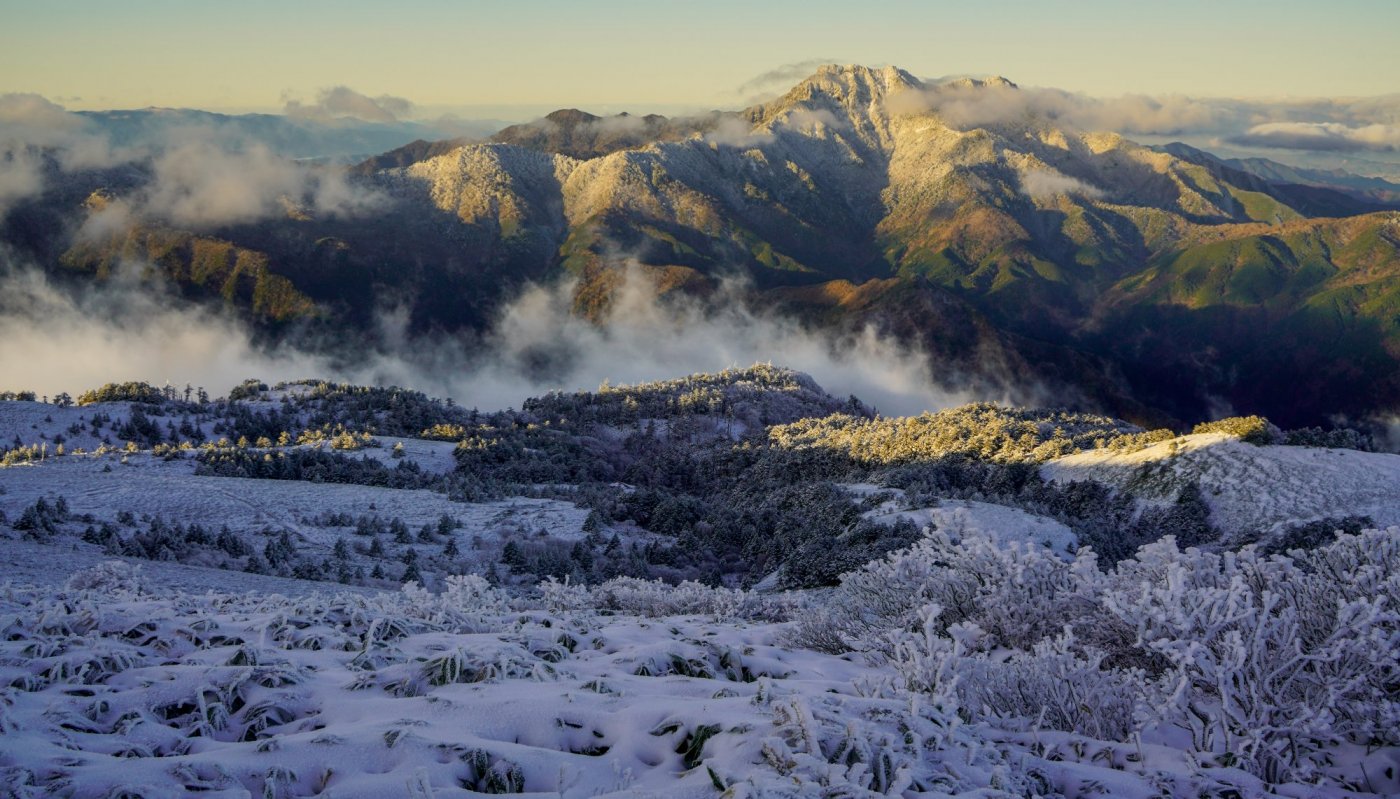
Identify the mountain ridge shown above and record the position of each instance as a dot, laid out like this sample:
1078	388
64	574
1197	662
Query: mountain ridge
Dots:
1076	251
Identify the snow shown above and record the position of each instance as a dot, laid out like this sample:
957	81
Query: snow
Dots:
111	687
45	565
1250	489
957	516
434	457
37	422
104	486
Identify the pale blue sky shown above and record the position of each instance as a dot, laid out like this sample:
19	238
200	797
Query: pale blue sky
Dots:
249	54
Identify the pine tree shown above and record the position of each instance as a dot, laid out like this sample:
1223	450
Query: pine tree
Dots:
512	556
411	574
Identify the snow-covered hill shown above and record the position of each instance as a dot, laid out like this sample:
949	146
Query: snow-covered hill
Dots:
1252	491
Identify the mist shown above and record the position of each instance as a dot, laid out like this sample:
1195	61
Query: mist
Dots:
56	339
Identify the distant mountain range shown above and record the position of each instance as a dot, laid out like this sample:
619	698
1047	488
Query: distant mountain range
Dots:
289	136
1157	284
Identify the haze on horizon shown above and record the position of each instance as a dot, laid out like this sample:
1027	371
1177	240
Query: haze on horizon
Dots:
491	57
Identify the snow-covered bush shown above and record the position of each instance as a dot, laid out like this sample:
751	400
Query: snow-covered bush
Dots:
655	598
111	576
472	592
1272	664
1016	594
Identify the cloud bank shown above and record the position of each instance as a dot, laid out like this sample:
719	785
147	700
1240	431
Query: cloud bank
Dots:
1321	136
343	102
54	339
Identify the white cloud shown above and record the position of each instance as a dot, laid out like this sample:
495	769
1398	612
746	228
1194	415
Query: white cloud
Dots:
1325	136
340	102
1047	183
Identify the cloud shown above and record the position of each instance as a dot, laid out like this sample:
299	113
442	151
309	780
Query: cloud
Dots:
1321	136
21	176
55	340
130	328
31	129
968	104
538	345
198	177
733	131
779	79
340	102
1044	184
200	185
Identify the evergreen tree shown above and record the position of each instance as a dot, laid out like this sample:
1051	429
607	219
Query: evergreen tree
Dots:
512	556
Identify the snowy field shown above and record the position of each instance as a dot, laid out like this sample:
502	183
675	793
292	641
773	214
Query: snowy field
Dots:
112	689
1248	487
105	486
962	517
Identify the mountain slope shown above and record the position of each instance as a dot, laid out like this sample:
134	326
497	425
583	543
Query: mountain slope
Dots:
1153	283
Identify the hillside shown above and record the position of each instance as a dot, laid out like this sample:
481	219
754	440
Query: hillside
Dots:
1154	284
310	586
1257	491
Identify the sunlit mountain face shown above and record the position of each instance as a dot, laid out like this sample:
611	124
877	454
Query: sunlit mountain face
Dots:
982	227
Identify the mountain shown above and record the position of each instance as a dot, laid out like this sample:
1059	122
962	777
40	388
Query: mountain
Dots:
1155	284
1374	189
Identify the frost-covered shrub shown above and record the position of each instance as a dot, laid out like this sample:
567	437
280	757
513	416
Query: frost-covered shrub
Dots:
1267	663
1016	594
655	598
472	592
1272	661
1059	684
112	576
564	597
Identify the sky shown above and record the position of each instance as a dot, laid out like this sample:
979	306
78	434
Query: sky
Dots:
447	56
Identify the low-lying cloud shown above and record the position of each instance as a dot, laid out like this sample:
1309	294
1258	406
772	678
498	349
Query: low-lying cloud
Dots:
53	339
1321	136
343	102
1043	184
199	185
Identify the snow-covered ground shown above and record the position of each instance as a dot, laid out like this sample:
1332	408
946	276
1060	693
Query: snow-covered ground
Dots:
112	690
960	516
50	566
1250	488
433	457
149	485
146	486
38	423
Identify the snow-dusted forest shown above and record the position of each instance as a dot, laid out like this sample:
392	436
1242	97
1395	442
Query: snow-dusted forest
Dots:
722	585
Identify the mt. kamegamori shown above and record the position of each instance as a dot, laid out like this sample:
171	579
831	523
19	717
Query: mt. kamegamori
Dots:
1149	283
